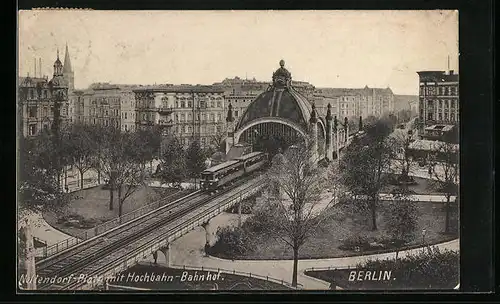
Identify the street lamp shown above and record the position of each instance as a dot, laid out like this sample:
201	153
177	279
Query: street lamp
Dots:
423	236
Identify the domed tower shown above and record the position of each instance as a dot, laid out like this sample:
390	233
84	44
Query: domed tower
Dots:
280	117
58	88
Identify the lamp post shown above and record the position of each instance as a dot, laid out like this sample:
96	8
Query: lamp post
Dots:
423	236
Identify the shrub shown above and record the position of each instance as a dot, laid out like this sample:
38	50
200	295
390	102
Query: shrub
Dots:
231	241
430	268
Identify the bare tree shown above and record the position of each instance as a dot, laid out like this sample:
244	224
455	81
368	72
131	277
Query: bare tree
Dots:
400	141
293	215
82	148
120	161
363	165
402	220
217	140
444	167
132	173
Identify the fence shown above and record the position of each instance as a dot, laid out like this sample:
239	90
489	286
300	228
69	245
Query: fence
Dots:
242	273
179	230
107	226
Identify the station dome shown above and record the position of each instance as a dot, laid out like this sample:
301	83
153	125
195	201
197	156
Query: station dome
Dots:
279	100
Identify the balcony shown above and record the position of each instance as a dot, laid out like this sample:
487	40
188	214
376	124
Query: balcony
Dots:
165	110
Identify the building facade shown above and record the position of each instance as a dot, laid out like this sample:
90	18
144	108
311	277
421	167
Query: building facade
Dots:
438	100
108	105
43	104
188	112
353	103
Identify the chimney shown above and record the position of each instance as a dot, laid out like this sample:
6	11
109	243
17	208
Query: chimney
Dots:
35	68
40	67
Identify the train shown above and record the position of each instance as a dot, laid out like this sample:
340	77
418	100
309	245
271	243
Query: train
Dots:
227	172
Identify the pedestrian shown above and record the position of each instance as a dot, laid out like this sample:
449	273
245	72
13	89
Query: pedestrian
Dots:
67	188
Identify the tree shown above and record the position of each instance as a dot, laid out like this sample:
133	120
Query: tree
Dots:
149	144
173	162
363	164
217	140
38	184
289	216
400	141
402	220
195	158
82	148
444	168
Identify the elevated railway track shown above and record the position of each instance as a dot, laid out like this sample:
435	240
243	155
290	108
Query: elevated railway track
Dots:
87	264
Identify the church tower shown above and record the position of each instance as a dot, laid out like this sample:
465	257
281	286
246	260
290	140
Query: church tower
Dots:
68	71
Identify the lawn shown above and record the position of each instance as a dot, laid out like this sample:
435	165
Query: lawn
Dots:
90	207
423	186
173	279
344	226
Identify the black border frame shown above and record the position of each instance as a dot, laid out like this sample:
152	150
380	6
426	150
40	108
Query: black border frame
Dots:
476	82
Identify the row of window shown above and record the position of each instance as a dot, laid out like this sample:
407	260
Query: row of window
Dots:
440	103
440	116
203	129
125	115
439	90
103	112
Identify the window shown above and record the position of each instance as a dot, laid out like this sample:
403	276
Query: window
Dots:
125	115
176	103
190	118
219	128
190	103
190	129
236	113
202	117
32	129
106	123
183	117
144	116
440	116
32	111
106	112
219	117
186	129
126	128
212	116
219	103
94	121
429	116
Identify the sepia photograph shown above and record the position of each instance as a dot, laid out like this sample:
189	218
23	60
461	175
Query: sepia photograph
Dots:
238	150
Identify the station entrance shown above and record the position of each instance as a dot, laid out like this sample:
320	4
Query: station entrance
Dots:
270	137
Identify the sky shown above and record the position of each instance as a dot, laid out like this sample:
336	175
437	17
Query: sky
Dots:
326	48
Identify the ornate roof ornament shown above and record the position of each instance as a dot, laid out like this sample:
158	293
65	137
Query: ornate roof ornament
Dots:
229	117
282	77
313	118
329	112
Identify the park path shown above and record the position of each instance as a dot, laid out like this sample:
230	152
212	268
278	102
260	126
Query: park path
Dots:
189	251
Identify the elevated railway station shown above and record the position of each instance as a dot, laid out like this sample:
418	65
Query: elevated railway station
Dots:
280	117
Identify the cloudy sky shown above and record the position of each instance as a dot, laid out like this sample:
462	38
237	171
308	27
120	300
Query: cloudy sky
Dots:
325	48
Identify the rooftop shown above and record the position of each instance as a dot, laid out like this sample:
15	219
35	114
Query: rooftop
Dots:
180	89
